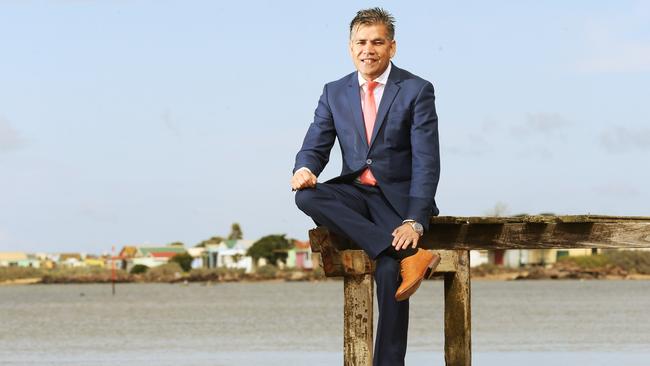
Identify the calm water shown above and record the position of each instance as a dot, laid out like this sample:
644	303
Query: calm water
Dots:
533	322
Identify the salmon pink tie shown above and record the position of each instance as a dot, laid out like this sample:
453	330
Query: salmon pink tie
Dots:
369	116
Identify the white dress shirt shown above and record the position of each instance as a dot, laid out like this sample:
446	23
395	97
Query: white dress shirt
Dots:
379	89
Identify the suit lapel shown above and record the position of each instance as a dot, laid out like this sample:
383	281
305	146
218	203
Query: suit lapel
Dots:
390	91
354	100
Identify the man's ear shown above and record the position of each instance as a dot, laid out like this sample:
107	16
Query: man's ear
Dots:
393	48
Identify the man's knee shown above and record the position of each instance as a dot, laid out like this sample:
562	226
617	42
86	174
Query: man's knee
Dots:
305	199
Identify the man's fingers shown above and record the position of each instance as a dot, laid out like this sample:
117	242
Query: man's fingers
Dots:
302	179
401	242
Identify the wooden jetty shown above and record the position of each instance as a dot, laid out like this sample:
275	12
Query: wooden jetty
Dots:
453	238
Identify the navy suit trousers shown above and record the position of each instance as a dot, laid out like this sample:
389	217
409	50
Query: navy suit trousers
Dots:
363	214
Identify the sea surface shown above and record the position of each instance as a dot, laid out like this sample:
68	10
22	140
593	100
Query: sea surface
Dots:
276	323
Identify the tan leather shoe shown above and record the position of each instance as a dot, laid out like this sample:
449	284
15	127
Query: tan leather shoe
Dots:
413	269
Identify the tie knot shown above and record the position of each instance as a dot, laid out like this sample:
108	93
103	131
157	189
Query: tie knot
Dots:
372	85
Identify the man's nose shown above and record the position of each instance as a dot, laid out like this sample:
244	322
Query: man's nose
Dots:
369	49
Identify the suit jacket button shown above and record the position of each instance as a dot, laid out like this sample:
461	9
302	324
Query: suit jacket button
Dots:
369	161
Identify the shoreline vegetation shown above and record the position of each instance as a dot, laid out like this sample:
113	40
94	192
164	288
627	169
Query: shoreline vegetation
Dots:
609	265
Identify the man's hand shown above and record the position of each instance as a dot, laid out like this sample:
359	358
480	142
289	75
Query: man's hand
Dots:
405	236
303	178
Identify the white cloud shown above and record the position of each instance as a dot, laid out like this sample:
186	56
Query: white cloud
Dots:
10	139
534	124
490	138
474	145
623	139
170	123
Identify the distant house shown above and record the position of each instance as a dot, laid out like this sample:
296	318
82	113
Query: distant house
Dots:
154	256
123	259
300	255
128	251
478	257
229	254
71	260
536	257
94	262
197	256
18	259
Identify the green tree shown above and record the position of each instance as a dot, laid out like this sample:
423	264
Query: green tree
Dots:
270	247
184	260
213	240
139	268
176	244
235	232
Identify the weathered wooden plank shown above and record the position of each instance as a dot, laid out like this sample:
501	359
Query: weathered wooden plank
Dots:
448	260
538	235
458	340
534	218
347	262
357	320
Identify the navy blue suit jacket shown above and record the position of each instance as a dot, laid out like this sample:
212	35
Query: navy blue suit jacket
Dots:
403	153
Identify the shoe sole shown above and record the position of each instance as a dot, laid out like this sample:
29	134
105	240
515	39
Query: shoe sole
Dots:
428	272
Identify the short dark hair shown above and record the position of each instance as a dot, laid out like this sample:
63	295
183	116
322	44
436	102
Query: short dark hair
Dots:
374	16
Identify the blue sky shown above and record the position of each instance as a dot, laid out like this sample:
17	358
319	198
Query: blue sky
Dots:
130	122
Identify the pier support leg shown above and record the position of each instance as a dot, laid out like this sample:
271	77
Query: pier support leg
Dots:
357	318
458	343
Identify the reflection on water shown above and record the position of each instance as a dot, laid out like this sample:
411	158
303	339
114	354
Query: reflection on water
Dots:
274	323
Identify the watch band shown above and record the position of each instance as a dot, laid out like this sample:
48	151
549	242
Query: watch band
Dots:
417	227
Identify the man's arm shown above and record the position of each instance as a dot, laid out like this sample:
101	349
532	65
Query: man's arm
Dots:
425	169
425	151
314	153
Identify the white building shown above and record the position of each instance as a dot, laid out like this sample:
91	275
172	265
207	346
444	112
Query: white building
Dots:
229	254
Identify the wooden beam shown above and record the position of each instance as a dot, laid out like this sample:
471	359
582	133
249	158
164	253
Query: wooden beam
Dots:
500	233
458	324
526	232
448	261
357	320
535	219
337	263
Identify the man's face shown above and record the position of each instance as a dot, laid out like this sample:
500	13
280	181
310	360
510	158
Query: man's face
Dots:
371	50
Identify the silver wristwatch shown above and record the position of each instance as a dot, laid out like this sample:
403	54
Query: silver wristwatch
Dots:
417	227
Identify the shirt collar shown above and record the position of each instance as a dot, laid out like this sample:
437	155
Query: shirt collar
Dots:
381	79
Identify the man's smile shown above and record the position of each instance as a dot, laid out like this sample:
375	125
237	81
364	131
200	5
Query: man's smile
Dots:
368	61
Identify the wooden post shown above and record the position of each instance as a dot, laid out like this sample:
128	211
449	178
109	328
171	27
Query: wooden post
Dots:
358	293
357	319
458	342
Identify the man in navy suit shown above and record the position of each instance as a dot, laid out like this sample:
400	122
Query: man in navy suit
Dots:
386	124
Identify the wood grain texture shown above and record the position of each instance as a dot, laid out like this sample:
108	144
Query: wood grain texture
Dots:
534	233
357	320
525	232
458	321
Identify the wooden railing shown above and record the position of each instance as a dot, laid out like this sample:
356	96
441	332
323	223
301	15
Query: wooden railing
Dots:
452	238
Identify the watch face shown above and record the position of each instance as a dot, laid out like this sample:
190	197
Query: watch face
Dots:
418	227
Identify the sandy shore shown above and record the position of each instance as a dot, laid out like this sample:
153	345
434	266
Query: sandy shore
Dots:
21	281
